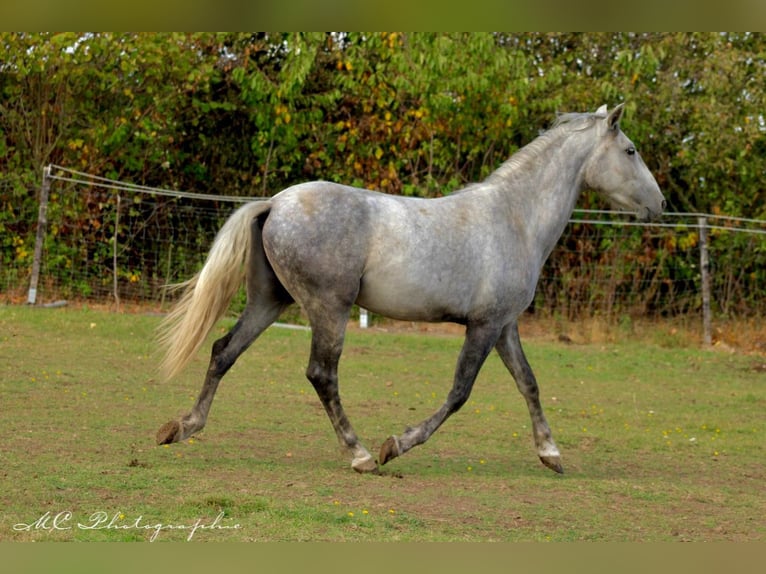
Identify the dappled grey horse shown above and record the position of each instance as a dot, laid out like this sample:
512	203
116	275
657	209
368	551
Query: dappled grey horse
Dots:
472	257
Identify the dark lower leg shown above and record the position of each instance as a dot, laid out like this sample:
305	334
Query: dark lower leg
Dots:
322	372
478	344
327	391
254	320
512	354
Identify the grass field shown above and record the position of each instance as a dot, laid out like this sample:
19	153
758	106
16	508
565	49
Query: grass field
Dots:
659	443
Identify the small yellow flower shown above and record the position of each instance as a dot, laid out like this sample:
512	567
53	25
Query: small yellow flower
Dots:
351	514
365	511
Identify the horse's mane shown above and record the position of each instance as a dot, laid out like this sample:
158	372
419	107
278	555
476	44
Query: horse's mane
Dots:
578	120
526	158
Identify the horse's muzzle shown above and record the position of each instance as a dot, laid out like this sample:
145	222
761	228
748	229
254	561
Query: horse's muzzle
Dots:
646	214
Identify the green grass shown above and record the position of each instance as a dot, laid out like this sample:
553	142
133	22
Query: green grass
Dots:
658	443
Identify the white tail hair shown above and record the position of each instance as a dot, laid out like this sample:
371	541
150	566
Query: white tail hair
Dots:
207	295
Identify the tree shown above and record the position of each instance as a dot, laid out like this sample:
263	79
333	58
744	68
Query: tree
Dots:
406	113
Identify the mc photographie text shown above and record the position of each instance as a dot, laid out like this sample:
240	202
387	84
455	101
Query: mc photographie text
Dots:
65	520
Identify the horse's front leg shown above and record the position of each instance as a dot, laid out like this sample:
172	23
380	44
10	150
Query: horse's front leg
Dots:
509	348
479	340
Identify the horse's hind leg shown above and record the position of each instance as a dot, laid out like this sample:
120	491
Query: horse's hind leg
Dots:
256	317
326	346
509	348
266	299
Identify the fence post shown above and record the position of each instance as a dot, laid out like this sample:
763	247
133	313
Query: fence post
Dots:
42	222
115	282
707	335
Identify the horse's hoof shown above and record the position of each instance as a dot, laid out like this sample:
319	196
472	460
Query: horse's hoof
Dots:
553	462
389	450
365	465
169	432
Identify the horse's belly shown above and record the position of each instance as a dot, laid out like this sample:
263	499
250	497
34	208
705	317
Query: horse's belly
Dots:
421	291
412	310
406	299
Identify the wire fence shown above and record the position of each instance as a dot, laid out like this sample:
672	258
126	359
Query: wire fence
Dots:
115	242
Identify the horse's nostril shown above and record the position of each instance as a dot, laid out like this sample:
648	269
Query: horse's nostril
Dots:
664	204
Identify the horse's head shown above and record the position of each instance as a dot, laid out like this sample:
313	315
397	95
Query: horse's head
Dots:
616	170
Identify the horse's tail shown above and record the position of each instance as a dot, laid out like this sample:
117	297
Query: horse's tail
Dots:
207	295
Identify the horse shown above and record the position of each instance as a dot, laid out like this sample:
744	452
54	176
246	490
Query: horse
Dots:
472	257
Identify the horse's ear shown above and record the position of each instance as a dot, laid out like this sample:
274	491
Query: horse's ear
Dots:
602	111
613	121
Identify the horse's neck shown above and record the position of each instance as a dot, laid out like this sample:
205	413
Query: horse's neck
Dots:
541	188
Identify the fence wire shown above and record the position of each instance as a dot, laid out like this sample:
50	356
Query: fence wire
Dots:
135	239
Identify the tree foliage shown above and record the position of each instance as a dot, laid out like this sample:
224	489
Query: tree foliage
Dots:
406	113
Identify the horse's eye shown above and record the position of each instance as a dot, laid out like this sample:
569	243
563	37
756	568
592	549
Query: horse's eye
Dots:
630	151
